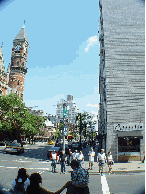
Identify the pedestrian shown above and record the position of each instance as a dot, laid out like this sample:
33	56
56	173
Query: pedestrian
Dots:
62	162
80	179
101	158
21	183
75	155
70	157
53	158
110	161
80	158
91	155
34	187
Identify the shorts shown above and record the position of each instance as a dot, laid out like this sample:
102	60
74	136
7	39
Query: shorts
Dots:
110	163
91	162
101	163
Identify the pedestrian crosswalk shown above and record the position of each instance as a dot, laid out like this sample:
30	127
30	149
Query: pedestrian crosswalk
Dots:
105	187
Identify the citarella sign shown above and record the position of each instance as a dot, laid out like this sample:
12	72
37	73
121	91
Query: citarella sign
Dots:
128	126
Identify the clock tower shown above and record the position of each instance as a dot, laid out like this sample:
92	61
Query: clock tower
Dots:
18	68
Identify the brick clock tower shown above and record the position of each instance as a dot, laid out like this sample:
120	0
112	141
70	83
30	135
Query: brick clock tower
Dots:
18	68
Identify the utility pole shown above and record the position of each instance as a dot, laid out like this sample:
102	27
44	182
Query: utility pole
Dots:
63	130
80	130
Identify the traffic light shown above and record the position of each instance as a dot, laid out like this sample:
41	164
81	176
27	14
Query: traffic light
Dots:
13	112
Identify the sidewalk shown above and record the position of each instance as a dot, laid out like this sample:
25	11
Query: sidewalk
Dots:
131	167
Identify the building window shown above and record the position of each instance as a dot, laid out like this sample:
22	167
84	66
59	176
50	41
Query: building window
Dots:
17	63
128	144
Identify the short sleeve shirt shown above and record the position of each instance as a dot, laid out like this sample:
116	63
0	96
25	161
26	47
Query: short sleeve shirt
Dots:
109	157
80	156
101	156
91	156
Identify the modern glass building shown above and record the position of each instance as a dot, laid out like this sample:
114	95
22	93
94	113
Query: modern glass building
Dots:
122	78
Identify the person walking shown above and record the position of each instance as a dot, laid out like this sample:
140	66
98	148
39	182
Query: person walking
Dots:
75	155
91	155
110	161
62	162
53	158
80	158
34	187
101	158
70	157
21	183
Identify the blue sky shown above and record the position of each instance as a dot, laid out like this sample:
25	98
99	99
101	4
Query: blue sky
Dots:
63	57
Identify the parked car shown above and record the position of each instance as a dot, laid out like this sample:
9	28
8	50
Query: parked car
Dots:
75	146
14	148
24	142
83	143
50	142
2	144
57	150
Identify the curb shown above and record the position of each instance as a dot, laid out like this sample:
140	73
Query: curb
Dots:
115	172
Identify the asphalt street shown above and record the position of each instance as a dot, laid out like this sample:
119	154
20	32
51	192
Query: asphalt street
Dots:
34	159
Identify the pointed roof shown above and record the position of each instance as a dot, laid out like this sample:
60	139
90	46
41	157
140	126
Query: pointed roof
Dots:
22	34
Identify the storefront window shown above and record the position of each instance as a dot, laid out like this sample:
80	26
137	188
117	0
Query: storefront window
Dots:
128	144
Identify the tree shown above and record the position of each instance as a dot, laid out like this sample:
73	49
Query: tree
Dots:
15	119
58	134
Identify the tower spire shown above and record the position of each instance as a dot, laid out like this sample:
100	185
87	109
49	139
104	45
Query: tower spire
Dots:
24	24
2	45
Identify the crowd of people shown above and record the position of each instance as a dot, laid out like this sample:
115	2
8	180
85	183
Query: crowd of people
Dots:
102	159
25	184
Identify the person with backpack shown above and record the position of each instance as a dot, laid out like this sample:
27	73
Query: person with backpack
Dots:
34	187
21	183
101	158
80	180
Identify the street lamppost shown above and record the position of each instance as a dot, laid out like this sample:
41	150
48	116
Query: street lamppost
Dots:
63	130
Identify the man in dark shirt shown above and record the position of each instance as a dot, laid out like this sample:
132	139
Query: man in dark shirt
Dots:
62	162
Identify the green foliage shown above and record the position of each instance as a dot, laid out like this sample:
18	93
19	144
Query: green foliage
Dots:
58	133
14	116
60	126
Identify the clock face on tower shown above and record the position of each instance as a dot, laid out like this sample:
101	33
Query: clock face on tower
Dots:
17	48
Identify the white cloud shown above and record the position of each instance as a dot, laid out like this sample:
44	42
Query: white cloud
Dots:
91	42
91	105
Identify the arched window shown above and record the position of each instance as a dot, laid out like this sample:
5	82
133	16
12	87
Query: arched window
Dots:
23	64
17	63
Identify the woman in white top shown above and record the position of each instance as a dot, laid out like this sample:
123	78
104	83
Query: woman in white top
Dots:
110	161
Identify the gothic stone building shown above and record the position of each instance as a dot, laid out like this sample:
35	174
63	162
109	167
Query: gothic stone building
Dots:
122	78
13	80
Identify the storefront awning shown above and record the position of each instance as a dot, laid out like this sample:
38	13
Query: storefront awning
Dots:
130	133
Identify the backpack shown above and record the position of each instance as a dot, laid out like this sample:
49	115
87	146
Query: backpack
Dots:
80	177
19	187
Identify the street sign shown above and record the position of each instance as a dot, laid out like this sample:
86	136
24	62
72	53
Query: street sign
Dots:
65	131
64	111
